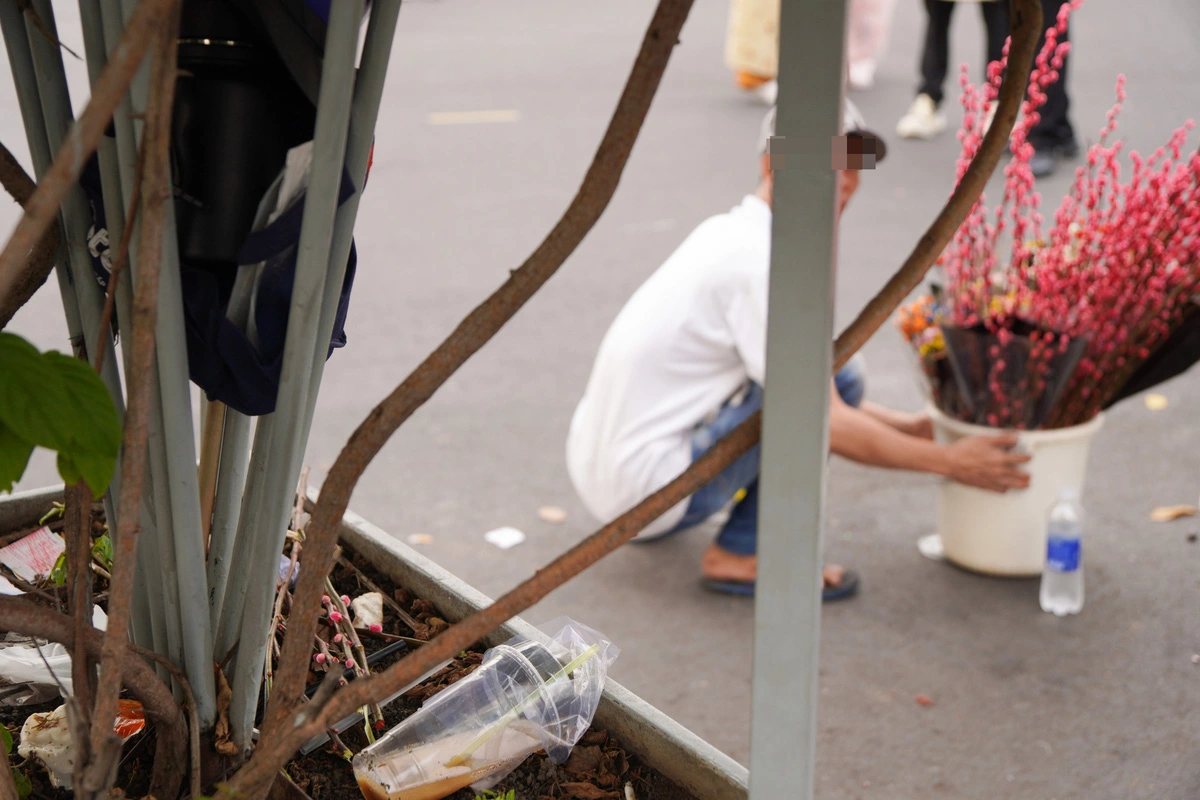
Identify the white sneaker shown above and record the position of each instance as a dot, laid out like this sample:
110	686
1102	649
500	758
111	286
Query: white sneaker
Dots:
767	93
862	74
922	121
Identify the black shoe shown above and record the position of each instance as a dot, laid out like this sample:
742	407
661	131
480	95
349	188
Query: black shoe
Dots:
1044	160
1042	163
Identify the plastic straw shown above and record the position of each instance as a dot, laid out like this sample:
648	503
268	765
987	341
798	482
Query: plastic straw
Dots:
502	723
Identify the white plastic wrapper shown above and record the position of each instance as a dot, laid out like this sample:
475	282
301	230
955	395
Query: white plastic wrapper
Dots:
47	738
368	610
21	663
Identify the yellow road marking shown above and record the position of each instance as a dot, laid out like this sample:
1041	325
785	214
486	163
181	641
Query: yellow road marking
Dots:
474	117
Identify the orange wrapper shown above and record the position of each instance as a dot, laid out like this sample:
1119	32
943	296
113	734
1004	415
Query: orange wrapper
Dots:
130	719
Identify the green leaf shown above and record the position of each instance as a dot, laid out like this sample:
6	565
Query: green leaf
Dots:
58	575
32	395
24	787
102	551
6	740
14	457
92	421
55	401
95	471
67	470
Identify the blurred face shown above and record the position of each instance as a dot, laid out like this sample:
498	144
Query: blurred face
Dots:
847	184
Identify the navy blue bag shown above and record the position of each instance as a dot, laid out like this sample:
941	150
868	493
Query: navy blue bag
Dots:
245	97
221	358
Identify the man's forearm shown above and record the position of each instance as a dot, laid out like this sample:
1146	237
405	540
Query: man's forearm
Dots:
899	420
860	436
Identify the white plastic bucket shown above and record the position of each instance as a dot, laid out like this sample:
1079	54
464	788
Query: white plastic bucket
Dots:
1005	534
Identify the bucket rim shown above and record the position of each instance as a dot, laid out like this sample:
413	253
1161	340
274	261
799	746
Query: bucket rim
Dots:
1036	436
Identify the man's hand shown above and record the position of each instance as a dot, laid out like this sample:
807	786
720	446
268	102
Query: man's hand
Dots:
919	425
987	462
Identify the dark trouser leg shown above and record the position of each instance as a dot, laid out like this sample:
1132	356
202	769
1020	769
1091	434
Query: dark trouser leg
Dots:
936	55
717	493
995	25
740	533
1054	129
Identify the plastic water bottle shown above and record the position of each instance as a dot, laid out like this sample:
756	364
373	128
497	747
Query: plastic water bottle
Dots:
1062	577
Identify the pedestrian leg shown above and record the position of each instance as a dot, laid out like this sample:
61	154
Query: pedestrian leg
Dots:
923	120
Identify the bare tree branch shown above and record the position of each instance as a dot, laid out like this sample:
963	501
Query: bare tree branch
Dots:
17	183
211	438
22	616
476	329
483	622
599	185
79	557
14	178
189	704
27	7
42	208
156	194
1026	21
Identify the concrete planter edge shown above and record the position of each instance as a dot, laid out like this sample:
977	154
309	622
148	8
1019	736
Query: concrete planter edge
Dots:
660	741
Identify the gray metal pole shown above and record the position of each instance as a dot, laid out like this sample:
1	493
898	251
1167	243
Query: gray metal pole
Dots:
110	171
113	27
185	482
175	484
235	453
787	608
316	233
368	92
56	111
143	624
164	612
231	483
179	442
246	539
157	550
83	300
20	61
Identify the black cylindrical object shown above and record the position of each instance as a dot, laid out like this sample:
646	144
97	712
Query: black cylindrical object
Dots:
237	112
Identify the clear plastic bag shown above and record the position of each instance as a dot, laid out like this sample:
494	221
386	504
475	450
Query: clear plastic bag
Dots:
525	696
25	662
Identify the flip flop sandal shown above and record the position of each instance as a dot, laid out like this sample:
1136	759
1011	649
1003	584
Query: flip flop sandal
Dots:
847	587
739	588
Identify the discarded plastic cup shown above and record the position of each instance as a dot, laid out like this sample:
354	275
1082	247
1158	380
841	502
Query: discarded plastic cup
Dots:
524	697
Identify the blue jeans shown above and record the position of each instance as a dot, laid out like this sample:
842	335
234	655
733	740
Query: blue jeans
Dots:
740	533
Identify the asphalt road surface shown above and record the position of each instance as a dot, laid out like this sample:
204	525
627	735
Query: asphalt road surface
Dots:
1104	705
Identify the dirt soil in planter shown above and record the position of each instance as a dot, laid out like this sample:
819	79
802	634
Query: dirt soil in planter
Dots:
599	767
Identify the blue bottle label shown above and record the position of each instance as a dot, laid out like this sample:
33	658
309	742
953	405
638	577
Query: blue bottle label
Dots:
1062	553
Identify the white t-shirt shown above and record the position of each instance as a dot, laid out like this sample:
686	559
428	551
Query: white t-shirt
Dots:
683	345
